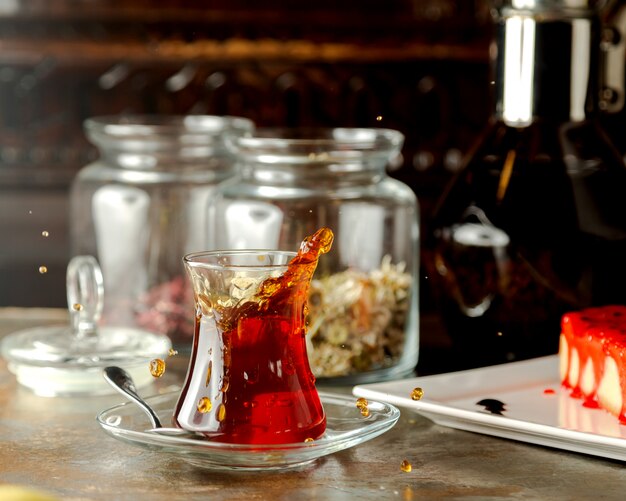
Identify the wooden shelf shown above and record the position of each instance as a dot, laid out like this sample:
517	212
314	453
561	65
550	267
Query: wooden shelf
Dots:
234	50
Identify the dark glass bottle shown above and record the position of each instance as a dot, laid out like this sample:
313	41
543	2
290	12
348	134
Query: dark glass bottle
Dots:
534	225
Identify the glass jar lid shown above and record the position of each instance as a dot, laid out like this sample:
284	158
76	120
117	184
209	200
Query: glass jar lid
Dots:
69	360
316	145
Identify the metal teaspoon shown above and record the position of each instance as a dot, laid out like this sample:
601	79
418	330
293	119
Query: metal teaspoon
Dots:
119	379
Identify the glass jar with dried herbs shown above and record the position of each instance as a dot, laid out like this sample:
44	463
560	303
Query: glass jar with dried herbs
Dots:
363	303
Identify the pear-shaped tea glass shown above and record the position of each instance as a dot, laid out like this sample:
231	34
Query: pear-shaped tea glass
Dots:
249	379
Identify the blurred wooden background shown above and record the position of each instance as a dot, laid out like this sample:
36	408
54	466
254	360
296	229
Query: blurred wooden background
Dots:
419	66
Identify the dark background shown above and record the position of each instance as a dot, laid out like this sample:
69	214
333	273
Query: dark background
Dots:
418	66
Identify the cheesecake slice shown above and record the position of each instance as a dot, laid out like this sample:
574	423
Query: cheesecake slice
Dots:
592	357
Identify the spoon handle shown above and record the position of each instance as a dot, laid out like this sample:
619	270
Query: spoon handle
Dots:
119	379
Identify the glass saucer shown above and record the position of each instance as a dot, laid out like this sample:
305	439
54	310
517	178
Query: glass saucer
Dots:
345	428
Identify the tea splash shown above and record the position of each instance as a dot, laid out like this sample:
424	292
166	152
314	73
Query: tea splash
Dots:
249	354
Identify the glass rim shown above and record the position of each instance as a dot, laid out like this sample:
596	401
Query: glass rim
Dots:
147	125
198	259
359	138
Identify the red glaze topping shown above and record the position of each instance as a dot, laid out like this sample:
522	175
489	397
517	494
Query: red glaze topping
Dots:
597	333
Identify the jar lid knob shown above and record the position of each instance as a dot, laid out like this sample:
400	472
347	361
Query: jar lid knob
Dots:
85	292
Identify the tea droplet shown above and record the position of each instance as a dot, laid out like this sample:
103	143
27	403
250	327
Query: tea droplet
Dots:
43	269
379	118
204	405
405	466
44	233
172	352
208	373
226	356
365	412
157	367
417	394
225	383
221	413
361	403
308	439
77	307
205	304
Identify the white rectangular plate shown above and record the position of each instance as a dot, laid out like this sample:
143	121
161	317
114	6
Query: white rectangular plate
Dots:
531	413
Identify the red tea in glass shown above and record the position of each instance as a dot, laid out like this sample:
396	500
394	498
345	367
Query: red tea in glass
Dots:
249	379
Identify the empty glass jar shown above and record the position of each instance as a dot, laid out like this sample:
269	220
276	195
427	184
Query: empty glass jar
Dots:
141	206
363	304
